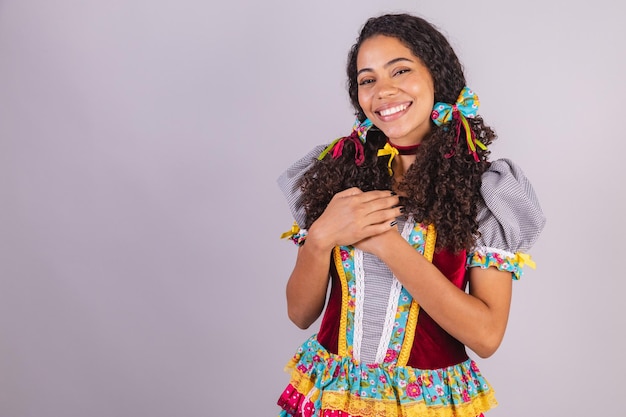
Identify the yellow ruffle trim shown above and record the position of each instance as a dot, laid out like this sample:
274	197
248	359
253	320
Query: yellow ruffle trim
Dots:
356	406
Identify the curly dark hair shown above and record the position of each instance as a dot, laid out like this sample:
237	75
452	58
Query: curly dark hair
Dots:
439	188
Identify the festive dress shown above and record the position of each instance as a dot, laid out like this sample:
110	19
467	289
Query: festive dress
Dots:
377	353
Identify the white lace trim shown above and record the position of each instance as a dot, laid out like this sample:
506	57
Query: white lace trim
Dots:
392	304
483	250
359	273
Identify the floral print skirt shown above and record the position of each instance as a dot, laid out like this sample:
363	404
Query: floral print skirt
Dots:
327	385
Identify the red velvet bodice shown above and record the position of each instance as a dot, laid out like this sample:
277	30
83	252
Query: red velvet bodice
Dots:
433	347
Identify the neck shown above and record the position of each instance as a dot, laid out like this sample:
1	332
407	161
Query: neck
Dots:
401	165
405	150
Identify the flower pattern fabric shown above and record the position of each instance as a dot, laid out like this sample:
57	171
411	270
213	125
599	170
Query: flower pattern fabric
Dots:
510	262
381	389
324	383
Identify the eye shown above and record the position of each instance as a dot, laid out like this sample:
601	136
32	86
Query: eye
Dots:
401	71
366	81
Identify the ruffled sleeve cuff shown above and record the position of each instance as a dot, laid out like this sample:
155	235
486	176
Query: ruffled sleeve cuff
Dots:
510	220
289	183
505	261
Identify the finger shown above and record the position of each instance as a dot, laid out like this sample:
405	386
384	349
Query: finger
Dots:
384	216
382	203
349	192
377	229
376	195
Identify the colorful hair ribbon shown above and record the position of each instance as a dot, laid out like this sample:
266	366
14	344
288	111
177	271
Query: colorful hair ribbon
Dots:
358	137
466	107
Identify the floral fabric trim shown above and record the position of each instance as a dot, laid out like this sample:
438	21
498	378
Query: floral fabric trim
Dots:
346	275
503	260
323	382
345	264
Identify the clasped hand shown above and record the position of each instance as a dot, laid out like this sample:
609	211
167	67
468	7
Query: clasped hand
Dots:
358	218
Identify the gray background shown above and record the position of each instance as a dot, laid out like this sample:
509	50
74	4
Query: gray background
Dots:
141	272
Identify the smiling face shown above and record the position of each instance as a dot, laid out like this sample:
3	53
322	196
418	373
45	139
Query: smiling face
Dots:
395	90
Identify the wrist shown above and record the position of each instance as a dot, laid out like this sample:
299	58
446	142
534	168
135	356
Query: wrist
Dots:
387	245
318	241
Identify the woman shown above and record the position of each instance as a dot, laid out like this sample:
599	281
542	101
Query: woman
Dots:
417	231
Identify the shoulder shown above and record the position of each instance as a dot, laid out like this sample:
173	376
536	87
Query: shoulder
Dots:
510	218
290	180
506	183
509	215
297	169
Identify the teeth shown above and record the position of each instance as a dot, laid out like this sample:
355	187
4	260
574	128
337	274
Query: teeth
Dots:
393	110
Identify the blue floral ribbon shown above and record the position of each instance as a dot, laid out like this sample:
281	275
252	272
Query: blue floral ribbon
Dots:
465	107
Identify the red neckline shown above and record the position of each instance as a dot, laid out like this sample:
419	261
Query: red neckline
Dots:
405	150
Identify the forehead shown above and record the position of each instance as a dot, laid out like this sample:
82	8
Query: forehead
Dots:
380	49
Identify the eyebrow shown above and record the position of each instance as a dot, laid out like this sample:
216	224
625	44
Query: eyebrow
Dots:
393	61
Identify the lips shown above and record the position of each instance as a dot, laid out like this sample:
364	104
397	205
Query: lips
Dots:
392	111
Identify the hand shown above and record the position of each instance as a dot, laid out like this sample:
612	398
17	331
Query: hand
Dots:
375	244
353	215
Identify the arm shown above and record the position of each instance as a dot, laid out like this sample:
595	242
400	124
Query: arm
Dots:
510	220
477	319
307	285
351	215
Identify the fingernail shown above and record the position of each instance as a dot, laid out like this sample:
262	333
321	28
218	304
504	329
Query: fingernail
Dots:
393	193
402	209
393	223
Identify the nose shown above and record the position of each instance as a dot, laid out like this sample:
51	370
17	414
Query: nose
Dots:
386	87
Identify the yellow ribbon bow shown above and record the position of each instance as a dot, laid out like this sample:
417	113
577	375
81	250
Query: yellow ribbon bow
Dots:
294	231
524	259
388	150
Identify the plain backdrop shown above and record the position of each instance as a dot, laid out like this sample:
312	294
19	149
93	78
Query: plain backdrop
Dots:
141	270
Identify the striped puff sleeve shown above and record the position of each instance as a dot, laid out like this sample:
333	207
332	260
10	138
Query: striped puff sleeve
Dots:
289	183
509	220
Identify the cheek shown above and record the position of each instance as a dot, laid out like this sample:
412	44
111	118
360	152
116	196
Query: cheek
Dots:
364	100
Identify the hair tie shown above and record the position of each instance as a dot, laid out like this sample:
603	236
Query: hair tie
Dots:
358	137
465	107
